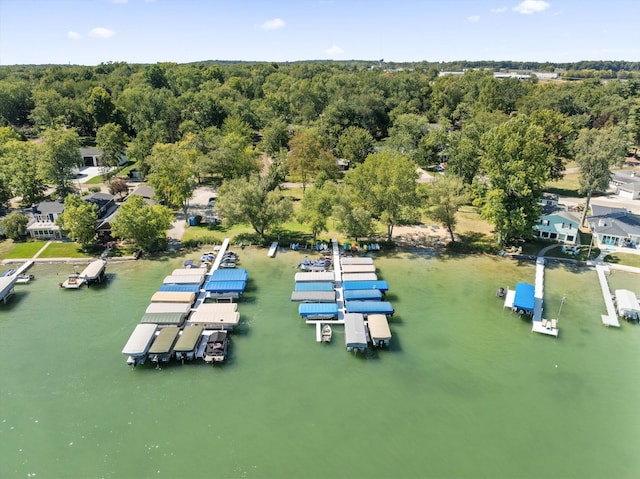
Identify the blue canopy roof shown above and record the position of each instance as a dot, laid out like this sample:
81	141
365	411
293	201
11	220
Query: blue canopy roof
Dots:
225	286
378	284
230	275
363	294
314	286
318	309
370	307
525	297
181	288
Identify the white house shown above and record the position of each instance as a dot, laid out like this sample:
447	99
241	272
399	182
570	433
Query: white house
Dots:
42	224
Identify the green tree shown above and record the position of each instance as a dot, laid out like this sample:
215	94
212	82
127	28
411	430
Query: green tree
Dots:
317	205
445	196
113	142
142	224
61	157
247	200
385	184
14	225
171	172
516	158
596	151
308	156
353	220
100	106
275	136
23	168
355	144
79	220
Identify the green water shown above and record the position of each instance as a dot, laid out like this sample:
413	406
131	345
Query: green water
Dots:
466	390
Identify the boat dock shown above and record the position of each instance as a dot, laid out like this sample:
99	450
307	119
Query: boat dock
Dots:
202	294
540	325
24	267
611	318
93	273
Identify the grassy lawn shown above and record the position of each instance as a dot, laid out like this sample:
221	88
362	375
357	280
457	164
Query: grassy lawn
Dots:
23	250
624	258
65	250
567	186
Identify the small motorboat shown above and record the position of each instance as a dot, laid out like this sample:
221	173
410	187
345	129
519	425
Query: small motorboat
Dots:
500	293
215	350
24	278
326	334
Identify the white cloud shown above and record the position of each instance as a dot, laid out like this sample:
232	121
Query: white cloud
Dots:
473	18
101	32
273	24
498	10
334	50
527	7
73	35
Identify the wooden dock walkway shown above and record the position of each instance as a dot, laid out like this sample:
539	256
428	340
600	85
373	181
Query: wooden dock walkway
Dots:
611	318
538	324
337	271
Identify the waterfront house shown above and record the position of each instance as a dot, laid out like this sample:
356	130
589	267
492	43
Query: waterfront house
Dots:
91	157
559	225
104	201
614	226
42	220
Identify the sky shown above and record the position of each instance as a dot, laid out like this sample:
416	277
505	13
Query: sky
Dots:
90	32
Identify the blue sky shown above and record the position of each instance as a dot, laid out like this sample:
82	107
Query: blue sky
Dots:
89	32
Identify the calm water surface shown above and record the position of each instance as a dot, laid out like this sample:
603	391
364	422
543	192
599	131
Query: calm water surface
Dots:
466	390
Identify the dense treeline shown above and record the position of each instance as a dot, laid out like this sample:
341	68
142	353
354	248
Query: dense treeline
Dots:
183	123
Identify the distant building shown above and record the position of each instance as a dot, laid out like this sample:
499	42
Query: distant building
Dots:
559	225
91	157
626	184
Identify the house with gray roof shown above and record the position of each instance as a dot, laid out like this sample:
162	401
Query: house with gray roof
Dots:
42	220
615	226
626	184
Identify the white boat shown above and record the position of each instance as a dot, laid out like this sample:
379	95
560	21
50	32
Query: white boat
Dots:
24	278
326	334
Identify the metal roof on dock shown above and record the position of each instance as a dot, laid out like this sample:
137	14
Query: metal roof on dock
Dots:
314	286
229	275
378	327
188	340
324	276
160	319
353	260
314	296
140	339
355	335
318	309
379	284
182	308
186	288
164	340
225	286
370	307
362	295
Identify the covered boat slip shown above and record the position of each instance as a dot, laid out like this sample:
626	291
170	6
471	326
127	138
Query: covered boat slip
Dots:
185	279
7	284
161	349
314	286
318	310
627	304
188	341
356	260
370	307
94	270
190	272
323	276
225	286
163	319
183	288
181	308
379	331
215	316
379	285
355	335
359	277
238	274
173	297
524	299
358	268
314	296
363	295
139	342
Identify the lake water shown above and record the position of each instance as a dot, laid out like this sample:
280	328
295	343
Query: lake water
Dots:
465	390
